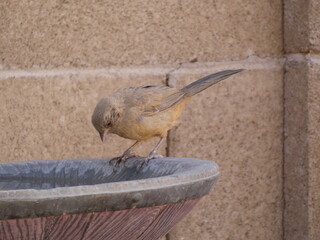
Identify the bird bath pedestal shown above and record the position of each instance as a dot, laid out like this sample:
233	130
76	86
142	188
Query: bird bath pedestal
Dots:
85	199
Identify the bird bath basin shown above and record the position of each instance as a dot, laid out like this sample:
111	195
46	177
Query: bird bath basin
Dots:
84	198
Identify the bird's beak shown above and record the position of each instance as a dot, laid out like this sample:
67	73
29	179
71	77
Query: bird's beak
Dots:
102	135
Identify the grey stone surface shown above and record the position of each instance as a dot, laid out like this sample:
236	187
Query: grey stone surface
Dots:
55	187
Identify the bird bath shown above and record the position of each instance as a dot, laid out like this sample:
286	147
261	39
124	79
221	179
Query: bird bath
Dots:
84	198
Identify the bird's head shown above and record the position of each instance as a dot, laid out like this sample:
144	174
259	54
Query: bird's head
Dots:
104	116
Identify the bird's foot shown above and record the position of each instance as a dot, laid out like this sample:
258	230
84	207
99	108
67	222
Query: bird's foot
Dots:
115	162
152	155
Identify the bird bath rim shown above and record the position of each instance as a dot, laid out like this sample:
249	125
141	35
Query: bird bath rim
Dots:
189	179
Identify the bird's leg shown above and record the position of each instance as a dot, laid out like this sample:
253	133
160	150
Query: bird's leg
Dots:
125	156
153	154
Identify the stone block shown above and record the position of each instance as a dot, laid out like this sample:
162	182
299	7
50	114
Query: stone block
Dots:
90	33
295	151
314	25
301	26
314	150
302	150
296	26
238	124
47	115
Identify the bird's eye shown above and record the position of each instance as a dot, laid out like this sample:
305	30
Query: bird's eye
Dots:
108	124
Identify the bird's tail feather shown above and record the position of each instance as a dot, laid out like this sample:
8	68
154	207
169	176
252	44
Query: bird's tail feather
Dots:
205	82
190	90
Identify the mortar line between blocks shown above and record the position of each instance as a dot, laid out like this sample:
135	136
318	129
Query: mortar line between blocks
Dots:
178	68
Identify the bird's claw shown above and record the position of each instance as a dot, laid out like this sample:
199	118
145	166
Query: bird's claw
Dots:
152	155
115	162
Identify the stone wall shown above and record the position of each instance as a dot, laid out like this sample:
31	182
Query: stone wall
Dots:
302	120
58	57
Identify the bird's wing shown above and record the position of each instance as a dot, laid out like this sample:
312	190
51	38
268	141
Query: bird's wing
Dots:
157	98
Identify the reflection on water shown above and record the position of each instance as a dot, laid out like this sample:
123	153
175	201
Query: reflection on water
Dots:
75	172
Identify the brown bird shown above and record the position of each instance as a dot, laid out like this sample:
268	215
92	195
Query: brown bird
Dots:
141	113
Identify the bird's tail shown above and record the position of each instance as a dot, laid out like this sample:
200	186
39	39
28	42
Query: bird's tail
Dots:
205	82
190	90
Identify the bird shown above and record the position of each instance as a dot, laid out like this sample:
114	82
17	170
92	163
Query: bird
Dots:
144	112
